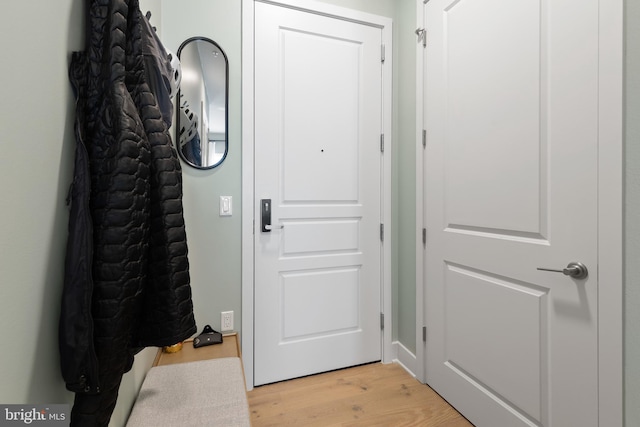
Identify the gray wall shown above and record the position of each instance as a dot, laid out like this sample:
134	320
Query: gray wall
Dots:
36	118
35	169
632	214
405	174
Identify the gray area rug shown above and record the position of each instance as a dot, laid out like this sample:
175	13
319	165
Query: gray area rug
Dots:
205	393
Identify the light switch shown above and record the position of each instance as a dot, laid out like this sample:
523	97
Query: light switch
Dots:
226	206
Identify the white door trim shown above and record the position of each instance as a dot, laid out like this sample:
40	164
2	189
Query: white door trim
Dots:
610	218
248	163
421	345
610	208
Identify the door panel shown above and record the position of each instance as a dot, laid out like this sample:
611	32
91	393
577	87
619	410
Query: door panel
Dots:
493	112
308	293
307	237
511	163
520	321
321	108
318	106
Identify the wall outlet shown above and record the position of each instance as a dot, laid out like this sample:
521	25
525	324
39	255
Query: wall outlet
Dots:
226	321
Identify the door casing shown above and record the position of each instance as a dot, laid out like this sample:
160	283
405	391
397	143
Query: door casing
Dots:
610	208
248	163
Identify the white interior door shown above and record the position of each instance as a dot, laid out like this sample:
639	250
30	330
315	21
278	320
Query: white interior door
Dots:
511	114
318	109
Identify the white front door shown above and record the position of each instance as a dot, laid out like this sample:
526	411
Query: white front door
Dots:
318	109
511	165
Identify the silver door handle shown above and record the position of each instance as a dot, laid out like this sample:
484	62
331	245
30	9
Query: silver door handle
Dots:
273	227
577	270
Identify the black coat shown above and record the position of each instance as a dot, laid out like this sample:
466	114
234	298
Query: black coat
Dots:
126	272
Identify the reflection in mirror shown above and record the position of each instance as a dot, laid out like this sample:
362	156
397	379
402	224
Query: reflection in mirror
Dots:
202	115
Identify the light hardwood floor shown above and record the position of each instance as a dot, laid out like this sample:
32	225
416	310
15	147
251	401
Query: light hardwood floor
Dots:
368	395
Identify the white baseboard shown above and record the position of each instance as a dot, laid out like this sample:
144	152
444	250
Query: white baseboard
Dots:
403	357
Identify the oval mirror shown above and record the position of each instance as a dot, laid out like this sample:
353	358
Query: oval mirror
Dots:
202	115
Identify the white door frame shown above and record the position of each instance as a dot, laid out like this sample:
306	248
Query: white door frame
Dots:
248	163
610	212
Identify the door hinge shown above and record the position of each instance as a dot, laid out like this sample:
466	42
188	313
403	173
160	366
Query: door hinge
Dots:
382	321
424	237
382	232
424	138
424	334
382	54
382	142
422	36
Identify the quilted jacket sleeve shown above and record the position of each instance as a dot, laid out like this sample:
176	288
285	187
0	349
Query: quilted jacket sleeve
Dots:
79	364
167	311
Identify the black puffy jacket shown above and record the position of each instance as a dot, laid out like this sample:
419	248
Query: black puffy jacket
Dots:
126	272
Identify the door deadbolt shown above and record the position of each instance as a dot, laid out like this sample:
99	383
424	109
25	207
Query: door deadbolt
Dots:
577	270
265	217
